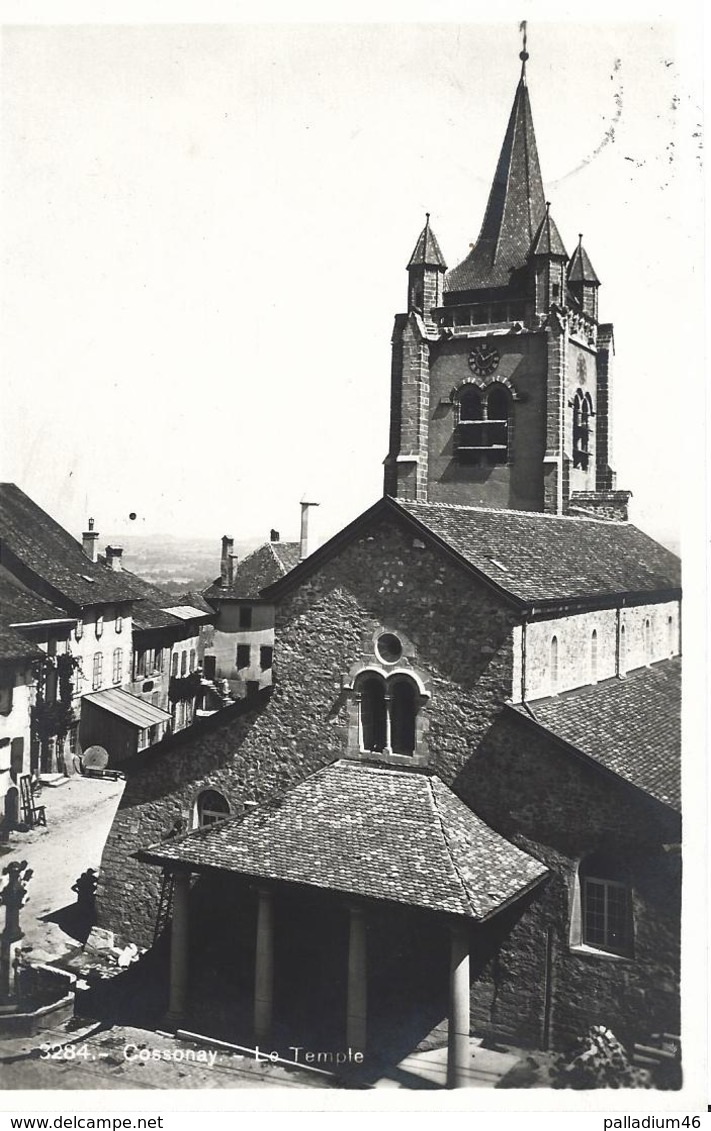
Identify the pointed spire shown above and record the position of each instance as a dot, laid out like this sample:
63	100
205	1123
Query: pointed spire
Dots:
515	208
427	251
580	269
547	239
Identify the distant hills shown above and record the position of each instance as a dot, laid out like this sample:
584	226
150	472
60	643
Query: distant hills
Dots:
175	563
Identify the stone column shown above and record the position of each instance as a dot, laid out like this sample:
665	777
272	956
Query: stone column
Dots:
179	934
458	1034
356	1009
264	967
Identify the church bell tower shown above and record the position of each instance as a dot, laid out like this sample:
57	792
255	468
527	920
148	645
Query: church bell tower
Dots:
501	371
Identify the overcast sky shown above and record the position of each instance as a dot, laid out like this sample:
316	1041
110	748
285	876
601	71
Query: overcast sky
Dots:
204	238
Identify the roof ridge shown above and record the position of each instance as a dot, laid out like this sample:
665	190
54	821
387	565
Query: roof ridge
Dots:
510	510
435	808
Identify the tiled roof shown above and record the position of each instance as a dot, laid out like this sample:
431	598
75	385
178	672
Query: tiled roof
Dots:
580	269
427	250
540	557
514	211
48	551
151	601
13	645
18	607
195	600
380	833
547	239
629	726
262	567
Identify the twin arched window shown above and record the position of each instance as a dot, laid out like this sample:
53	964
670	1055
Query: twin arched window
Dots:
582	412
388	710
482	432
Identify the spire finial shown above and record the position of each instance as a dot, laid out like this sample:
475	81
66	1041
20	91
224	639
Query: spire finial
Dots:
580	239
523	55
427	219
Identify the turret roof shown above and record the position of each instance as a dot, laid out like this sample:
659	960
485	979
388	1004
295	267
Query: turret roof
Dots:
547	239
580	269
427	251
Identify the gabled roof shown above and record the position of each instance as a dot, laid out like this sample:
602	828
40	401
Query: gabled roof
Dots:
427	251
33	544
379	833
261	568
547	239
13	645
580	269
514	211
630	727
531	559
153	604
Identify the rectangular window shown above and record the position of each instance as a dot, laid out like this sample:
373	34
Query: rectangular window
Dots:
184	663
243	655
158	660
266	653
140	664
606	915
245	616
174	664
118	665
193	656
98	670
99	626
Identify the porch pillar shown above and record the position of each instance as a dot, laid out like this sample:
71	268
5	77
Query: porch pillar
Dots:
356	1009
264	966
458	1030
179	930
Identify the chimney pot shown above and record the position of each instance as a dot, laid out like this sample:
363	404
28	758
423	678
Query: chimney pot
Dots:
304	548
231	562
274	536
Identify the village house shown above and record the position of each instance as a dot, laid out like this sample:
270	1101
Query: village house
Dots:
458	801
100	633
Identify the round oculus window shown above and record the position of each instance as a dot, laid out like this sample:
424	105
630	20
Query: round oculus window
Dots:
389	648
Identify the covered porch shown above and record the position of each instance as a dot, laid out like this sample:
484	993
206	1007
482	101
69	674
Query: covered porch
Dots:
340	921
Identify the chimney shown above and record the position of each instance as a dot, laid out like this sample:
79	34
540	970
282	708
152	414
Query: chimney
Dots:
273	535
227	546
89	540
304	552
113	557
231	563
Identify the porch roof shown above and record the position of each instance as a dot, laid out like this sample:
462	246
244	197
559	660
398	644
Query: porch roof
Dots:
138	712
368	831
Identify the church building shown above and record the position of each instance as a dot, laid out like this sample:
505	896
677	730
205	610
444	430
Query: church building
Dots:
456	810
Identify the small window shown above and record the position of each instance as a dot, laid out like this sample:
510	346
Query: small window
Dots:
119	621
554	665
211	807
622	663
183	663
97	673
245	616
175	660
671	636
388	648
193	659
99	626
118	665
266	653
593	656
606	906
140	663
158	660
243	656
79	629
582	412
648	641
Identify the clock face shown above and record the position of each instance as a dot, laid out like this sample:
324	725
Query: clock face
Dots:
483	359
